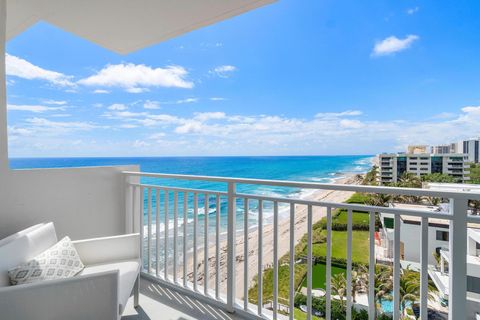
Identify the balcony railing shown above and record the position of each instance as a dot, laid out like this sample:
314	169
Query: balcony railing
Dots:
190	239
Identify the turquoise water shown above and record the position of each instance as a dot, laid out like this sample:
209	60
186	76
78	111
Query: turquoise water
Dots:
323	169
301	168
387	305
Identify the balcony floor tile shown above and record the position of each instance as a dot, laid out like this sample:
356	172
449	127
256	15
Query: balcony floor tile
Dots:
159	302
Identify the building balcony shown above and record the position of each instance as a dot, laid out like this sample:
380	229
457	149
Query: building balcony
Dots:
229	282
210	250
164	302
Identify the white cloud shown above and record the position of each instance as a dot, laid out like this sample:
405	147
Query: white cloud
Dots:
220	133
188	100
190	126
32	108
137	90
140	144
224	71
393	44
21	68
55	102
472	110
45	125
12	130
217	99
117	107
349	123
205	116
128	126
444	115
101	91
151	105
137	78
348	113
414	10
123	114
157	136
61	115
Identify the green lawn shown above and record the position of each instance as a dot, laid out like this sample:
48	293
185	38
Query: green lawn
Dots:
300	315
319	275
358	198
283	283
360	246
358	217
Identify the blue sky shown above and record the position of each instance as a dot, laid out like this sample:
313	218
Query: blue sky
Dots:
293	78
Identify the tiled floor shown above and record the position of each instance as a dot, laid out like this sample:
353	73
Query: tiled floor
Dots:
162	303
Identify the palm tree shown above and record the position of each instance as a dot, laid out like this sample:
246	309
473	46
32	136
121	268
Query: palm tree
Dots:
359	280
371	177
379	200
434	201
410	180
475	206
409	288
338	286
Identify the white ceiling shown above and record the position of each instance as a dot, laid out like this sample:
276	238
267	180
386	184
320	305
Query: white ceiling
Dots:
124	26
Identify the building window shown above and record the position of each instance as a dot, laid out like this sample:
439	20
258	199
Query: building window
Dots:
473	284
442	235
388	223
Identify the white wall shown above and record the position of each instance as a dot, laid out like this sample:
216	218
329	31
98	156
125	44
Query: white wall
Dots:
82	202
410	234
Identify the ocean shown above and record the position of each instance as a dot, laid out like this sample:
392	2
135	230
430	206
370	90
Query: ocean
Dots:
301	168
324	169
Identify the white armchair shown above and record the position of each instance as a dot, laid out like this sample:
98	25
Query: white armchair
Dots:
100	291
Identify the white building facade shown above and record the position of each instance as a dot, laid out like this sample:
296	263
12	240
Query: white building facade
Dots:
438	242
393	165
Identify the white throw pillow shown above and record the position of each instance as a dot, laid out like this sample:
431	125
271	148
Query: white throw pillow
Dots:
58	262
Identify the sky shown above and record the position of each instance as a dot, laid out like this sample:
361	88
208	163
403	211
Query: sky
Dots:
298	77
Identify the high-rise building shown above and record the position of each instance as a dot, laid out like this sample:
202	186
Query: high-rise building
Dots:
445	148
471	148
417	149
394	165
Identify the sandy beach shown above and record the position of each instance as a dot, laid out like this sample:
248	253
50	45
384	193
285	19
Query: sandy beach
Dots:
284	243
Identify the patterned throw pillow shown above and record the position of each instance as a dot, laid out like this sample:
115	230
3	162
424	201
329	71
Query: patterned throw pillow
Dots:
59	261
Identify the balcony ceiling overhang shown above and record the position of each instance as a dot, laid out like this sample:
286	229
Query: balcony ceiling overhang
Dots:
124	26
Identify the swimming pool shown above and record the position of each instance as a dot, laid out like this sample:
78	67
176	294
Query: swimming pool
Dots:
387	305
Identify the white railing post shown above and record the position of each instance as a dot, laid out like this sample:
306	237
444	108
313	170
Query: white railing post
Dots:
231	237
457	268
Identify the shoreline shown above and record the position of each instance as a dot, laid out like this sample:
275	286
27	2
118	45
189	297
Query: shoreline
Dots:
267	252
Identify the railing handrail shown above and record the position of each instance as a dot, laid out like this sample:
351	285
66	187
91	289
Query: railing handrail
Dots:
315	185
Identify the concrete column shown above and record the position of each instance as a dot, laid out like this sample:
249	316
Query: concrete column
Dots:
3	99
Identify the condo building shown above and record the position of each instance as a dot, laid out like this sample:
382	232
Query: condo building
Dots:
394	165
438	239
446	148
471	148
